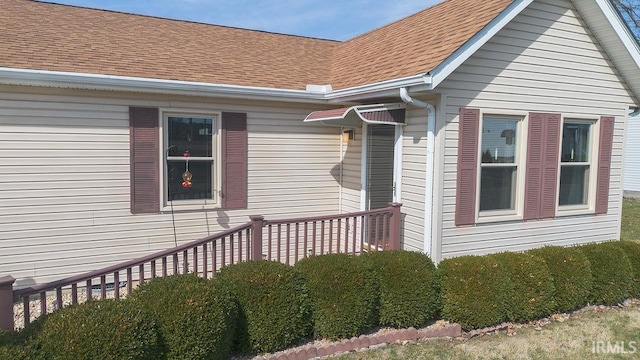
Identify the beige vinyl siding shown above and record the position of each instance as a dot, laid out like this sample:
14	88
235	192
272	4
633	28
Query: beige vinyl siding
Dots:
64	179
544	61
351	173
414	160
632	155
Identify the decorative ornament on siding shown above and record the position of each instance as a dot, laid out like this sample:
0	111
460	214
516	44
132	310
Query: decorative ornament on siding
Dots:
186	176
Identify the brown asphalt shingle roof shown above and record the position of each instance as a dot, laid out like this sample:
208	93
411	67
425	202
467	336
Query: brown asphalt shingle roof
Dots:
44	36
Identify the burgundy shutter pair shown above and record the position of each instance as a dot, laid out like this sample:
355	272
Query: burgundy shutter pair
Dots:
145	160
541	176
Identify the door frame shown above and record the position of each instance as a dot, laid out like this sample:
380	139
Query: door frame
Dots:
397	165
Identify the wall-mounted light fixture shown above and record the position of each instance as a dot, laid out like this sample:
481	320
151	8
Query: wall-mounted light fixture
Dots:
347	135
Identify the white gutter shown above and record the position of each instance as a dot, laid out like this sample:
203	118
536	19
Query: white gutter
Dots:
85	81
381	88
429	175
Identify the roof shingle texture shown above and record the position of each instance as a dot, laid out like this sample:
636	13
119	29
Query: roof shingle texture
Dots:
44	36
413	45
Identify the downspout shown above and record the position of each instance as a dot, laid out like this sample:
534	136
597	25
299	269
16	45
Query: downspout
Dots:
429	175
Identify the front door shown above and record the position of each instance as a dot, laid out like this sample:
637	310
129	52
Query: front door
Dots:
380	165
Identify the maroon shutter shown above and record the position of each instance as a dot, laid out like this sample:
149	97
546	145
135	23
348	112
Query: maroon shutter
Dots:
604	164
541	176
533	176
469	121
550	166
234	160
145	160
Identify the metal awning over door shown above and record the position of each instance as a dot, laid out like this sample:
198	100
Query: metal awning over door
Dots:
391	114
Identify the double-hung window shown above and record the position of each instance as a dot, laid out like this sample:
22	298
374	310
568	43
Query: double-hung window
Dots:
499	164
575	164
191	149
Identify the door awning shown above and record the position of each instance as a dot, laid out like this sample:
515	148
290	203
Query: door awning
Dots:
391	114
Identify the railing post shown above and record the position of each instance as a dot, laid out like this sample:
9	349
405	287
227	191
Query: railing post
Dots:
6	302
394	226
257	223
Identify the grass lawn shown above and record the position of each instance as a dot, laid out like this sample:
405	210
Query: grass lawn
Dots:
583	336
630	219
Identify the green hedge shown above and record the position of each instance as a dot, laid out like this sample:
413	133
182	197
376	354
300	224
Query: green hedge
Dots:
611	271
105	329
474	290
632	249
409	290
275	306
532	294
344	292
196	320
571	272
21	345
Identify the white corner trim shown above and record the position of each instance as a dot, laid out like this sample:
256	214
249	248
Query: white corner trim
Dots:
449	65
620	28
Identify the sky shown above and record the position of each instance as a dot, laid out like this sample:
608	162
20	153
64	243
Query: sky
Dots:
326	19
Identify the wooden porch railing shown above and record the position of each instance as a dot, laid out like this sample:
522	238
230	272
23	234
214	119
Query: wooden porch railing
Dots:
286	240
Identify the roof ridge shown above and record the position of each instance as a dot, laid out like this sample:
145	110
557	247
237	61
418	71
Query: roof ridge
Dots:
397	21
52	2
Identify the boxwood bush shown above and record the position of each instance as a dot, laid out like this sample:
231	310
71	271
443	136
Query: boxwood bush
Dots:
474	290
106	329
409	291
344	292
632	249
533	290
15	346
571	272
274	304
611	272
196	319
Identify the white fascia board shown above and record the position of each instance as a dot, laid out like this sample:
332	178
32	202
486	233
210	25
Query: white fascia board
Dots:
382	88
449	65
84	81
621	29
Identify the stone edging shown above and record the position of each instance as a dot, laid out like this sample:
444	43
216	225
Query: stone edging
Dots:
366	341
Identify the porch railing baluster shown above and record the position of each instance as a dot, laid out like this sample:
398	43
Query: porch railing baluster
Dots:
379	228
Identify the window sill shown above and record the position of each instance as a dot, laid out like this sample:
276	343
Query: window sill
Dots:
574	210
498	216
190	206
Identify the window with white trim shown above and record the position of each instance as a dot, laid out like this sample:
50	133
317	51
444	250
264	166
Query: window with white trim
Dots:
499	164
575	163
191	158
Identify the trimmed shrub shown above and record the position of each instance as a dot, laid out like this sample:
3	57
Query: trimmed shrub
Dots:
571	272
533	290
19	345
344	292
274	304
611	271
106	329
196	319
474	290
632	249
409	291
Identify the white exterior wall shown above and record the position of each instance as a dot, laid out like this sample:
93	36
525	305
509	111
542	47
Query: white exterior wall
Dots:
632	155
64	179
545	61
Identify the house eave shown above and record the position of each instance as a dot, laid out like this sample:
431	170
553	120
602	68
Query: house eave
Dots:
86	81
